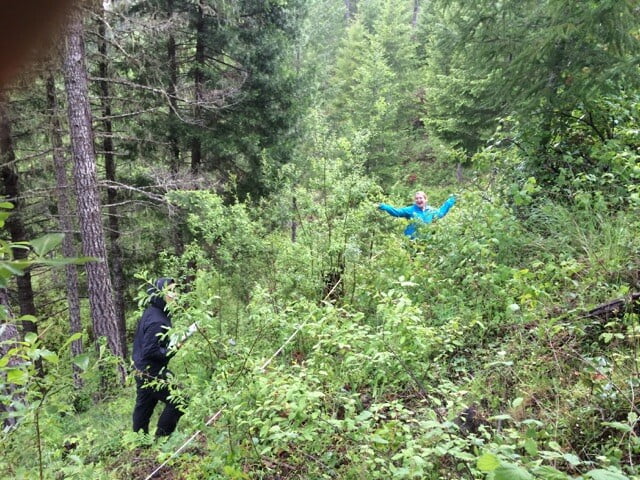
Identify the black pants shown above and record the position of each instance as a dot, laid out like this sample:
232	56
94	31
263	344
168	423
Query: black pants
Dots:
147	398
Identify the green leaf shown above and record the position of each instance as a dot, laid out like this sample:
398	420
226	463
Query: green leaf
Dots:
488	462
508	471
3	217
234	473
379	440
601	474
550	455
574	460
364	415
31	338
17	376
81	361
28	318
43	245
531	447
503	416
623	427
11	269
532	421
555	446
508	363
72	338
21	265
463	455
550	473
62	261
48	355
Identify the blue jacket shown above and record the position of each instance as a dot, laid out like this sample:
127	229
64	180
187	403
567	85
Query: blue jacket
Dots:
428	215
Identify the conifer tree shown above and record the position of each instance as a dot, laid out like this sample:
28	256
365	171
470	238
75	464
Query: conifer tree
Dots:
374	83
65	219
536	61
110	167
93	240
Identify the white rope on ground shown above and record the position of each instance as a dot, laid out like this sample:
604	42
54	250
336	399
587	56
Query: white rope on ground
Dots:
213	418
266	364
218	414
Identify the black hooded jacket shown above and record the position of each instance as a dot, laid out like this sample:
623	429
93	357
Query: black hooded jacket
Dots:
150	347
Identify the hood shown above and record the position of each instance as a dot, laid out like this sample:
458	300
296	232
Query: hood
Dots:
155	291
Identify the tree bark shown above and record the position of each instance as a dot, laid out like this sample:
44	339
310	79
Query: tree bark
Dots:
65	215
351	9
171	93
294	224
103	311
14	224
416	10
115	252
616	308
198	85
174	142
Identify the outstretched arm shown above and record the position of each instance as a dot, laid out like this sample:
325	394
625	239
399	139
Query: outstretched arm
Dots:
405	212
446	206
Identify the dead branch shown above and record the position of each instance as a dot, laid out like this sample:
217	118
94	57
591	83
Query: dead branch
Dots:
616	308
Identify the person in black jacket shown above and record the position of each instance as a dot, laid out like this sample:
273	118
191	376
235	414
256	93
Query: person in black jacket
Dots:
151	354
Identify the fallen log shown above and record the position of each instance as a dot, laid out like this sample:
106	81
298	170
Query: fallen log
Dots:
616	308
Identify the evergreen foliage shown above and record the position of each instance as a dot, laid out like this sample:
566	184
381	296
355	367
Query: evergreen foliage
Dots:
537	61
374	85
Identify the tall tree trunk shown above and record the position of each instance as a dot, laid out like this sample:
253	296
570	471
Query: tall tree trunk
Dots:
15	226
351	9
103	311
65	215
294	223
198	85
174	145
416	10
171	91
115	252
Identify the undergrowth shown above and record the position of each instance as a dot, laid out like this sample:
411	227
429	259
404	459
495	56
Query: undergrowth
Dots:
470	353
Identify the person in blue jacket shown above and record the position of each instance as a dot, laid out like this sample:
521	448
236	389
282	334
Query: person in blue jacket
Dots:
151	355
419	211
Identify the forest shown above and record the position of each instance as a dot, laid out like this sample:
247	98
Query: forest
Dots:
243	148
